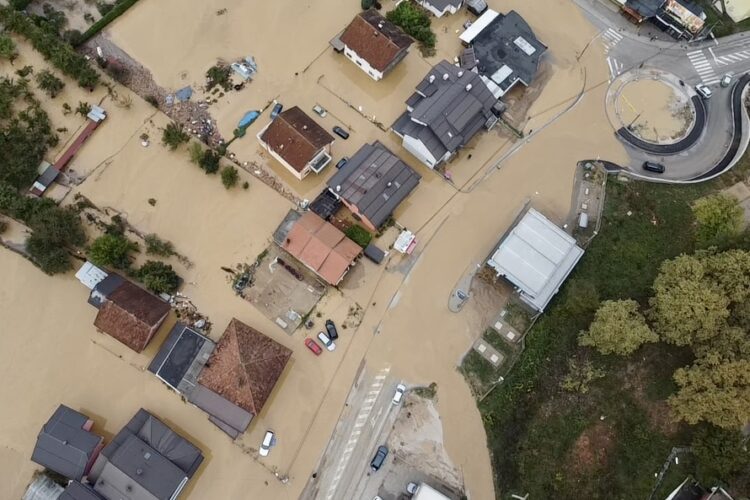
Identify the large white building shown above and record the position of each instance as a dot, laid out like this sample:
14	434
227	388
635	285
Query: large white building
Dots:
536	256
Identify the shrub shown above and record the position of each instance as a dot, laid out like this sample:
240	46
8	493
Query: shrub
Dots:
415	21
219	75
229	177
173	135
118	9
112	250
210	161
157	246
196	153
245	185
48	82
8	48
719	218
83	108
158	277
359	235
25	71
152	100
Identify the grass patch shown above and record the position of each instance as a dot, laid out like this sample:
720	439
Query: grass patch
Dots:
359	235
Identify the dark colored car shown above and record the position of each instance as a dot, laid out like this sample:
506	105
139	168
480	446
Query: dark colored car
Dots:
340	132
313	346
657	168
379	458
342	162
276	110
332	332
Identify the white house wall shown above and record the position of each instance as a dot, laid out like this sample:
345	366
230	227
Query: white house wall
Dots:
418	149
434	11
363	64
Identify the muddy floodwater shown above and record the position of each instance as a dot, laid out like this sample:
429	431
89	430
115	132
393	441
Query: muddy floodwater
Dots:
58	357
654	110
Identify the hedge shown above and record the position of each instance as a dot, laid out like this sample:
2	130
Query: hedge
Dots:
102	23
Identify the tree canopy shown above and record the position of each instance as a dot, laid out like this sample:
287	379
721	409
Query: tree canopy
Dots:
173	135
8	48
159	277
720	453
415	21
618	328
49	83
112	250
719	218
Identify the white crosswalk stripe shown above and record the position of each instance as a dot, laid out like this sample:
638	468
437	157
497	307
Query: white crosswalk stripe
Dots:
610	38
703	67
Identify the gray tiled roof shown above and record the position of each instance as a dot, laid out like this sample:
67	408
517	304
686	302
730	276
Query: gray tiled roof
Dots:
181	358
374	180
495	46
452	102
63	445
442	4
78	491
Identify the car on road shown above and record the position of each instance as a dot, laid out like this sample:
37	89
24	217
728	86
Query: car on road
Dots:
276	110
320	110
326	341
703	91
379	458
399	394
265	446
651	166
313	346
726	80
342	162
340	132
331	329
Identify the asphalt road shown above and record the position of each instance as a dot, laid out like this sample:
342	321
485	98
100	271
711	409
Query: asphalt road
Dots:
364	424
629	48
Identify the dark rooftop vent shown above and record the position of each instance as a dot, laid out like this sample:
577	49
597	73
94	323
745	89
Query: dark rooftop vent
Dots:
501	53
139	471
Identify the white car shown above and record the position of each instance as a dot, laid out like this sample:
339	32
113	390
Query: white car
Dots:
326	341
399	394
704	91
726	80
265	446
320	110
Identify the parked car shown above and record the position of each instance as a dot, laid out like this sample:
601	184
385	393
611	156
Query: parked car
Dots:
411	488
313	346
379	458
703	91
726	80
340	132
331	329
276	110
326	341
320	110
265	446
342	162
651	166
399	394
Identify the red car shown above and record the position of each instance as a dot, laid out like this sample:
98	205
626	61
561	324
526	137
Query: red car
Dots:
313	346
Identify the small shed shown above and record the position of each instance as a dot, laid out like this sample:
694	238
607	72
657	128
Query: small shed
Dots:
374	253
90	275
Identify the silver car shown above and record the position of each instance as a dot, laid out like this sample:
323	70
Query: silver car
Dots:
326	341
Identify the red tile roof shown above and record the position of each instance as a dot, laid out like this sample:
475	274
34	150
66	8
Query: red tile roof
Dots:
321	247
296	137
131	315
245	366
375	39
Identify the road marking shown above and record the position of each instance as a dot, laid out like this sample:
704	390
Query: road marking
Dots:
609	39
702	66
615	67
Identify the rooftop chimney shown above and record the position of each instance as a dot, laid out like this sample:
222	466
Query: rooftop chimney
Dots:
432	78
389	184
460	74
338	188
468	87
380	25
445	76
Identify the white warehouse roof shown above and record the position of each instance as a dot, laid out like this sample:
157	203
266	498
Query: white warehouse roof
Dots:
477	26
536	256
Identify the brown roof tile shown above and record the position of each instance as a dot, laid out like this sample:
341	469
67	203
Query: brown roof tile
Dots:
245	366
321	247
296	137
129	315
375	39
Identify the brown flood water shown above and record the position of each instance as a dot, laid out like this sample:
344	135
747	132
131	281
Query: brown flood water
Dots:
47	325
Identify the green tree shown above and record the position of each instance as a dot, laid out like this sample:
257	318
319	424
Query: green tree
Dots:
159	277
196	153
730	271
48	255
8	48
733	343
713	390
83	108
719	218
618	328
157	246
415	21
229	177
48	82
720	453
210	161
173	136
112	250
687	307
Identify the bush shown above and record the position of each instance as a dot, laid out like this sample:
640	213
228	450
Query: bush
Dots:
719	218
210	161
173	135
229	177
83	108
359	235
157	246
8	48
116	11
112	250
196	153
158	277
245	185
219	75
152	100
48	82
415	21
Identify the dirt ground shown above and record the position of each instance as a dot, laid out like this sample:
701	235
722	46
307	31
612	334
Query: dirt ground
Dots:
59	357
655	111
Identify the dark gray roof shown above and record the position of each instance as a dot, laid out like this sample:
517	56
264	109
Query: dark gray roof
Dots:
181	358
442	4
499	44
229	417
646	8
374	180
63	445
104	288
326	204
455	104
374	253
78	491
146	459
